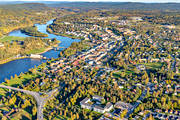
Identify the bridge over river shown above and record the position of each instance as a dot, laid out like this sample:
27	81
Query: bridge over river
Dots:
23	65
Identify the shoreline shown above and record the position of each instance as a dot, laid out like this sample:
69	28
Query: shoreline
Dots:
23	26
46	50
12	59
64	35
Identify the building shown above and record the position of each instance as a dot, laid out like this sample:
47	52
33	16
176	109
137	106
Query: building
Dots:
84	103
109	106
36	56
1	45
141	67
123	106
97	97
97	105
97	108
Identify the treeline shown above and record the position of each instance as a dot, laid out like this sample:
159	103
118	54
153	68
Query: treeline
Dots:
166	19
118	5
33	31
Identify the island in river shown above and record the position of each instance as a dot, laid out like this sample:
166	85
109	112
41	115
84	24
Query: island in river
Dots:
33	31
18	66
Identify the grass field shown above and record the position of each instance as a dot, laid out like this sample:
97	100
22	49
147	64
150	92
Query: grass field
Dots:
20	80
10	38
118	74
152	65
36	51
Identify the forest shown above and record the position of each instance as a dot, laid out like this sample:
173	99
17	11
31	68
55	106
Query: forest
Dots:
117	5
32	31
24	15
26	46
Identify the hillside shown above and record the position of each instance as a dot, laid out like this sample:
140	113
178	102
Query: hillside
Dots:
118	5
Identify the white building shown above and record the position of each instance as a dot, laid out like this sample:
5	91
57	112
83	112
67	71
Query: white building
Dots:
1	45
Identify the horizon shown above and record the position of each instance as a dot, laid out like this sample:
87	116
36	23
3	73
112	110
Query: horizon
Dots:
133	1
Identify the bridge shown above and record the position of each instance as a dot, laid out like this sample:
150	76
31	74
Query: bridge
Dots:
57	48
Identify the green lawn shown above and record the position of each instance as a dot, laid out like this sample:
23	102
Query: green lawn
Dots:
10	38
152	65
20	80
118	74
34	51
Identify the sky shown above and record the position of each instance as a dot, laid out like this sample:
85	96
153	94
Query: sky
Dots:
146	1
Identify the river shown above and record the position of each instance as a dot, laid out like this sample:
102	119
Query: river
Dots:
23	65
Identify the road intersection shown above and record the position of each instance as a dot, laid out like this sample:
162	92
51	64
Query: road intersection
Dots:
40	100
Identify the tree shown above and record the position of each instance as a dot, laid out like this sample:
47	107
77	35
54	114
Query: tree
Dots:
123	113
77	116
12	100
34	110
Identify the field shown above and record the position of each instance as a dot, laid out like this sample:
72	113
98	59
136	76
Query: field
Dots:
19	80
36	51
10	38
118	74
153	65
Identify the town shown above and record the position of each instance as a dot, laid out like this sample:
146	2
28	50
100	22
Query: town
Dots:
124	67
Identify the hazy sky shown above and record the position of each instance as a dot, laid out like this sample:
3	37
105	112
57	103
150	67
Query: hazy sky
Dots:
160	1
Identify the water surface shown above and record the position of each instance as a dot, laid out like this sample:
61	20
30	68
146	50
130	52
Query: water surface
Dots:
23	65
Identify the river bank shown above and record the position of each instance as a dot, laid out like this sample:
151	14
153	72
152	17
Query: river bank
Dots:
24	26
49	30
25	56
13	67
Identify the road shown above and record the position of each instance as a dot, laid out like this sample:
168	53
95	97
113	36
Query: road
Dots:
40	100
130	111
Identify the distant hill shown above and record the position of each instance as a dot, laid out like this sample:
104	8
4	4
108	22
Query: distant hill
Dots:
118	5
96	5
34	6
